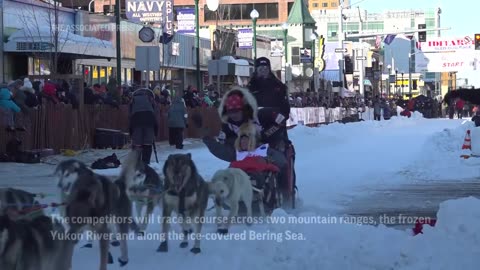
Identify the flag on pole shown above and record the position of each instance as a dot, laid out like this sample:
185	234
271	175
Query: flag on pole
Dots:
389	39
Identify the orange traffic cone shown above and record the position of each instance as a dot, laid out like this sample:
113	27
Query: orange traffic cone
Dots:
467	143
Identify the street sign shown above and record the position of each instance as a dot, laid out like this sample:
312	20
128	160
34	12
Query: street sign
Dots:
361	58
340	50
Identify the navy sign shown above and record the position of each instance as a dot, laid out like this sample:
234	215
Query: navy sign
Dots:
151	11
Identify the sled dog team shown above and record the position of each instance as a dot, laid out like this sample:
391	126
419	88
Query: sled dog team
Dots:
30	240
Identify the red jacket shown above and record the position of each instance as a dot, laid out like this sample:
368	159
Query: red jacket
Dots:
460	104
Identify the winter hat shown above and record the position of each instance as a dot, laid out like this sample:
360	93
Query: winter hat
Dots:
27	86
262	61
234	102
27	83
49	89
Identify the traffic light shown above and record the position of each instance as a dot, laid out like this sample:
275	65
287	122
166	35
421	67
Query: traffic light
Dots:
477	41
422	36
348	65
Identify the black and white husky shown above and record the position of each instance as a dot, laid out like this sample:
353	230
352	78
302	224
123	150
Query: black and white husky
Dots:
91	197
146	193
186	193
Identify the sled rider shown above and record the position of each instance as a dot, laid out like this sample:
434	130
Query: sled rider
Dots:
273	104
237	107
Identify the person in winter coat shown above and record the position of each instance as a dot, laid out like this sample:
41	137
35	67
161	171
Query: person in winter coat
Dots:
387	114
8	106
237	107
177	120
31	99
19	95
459	107
143	122
377	108
271	94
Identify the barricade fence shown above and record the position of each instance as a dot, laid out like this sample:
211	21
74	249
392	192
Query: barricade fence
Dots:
61	127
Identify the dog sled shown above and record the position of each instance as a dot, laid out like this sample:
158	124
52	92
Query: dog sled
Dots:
264	176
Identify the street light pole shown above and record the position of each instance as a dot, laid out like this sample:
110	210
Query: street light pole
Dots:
118	44
313	38
197	44
381	78
1	43
388	79
285	46
341	64
396	81
410	74
401	94
254	15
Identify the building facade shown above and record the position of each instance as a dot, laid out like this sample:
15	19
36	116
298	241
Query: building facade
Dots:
394	54
86	46
326	4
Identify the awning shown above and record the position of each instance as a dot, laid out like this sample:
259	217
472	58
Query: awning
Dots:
330	75
40	40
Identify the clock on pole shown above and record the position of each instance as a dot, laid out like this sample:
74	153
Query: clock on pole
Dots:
146	34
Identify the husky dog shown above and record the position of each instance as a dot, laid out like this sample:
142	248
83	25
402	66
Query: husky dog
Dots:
230	186
30	244
14	201
146	192
92	200
247	137
67	173
186	194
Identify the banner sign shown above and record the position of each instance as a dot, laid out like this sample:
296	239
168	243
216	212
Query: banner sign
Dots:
276	48
245	38
447	62
448	44
305	55
186	20
154	11
331	58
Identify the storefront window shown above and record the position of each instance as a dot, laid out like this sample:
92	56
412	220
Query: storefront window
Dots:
123	75
129	76
38	66
95	78
103	75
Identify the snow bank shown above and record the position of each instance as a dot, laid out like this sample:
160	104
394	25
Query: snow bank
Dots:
439	157
330	243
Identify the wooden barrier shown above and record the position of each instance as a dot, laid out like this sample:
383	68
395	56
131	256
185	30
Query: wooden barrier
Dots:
61	127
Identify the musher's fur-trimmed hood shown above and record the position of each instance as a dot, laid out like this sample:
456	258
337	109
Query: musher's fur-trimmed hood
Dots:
250	107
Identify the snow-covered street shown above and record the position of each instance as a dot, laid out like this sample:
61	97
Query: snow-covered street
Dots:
359	168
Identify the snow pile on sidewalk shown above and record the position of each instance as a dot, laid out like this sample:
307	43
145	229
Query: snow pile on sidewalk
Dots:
439	157
307	241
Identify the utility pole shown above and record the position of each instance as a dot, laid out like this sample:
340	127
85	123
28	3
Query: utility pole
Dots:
362	70
341	36
2	66
411	66
118	44
197	44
